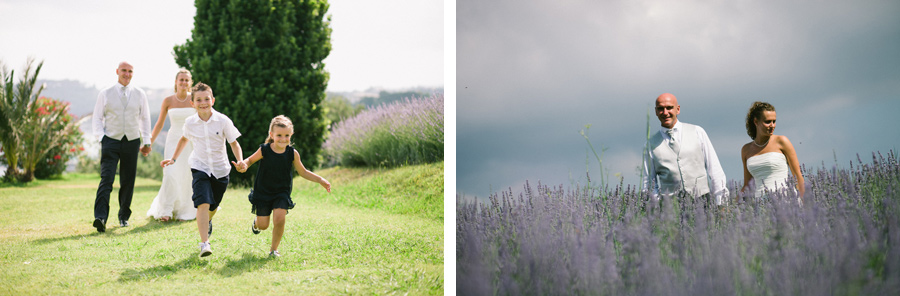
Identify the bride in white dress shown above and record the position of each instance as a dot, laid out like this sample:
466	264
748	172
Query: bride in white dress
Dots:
174	198
769	157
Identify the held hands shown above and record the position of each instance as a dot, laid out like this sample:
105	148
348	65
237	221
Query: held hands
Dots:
240	166
166	163
145	150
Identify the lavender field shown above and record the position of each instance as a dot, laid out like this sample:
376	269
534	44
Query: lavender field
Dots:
843	240
405	132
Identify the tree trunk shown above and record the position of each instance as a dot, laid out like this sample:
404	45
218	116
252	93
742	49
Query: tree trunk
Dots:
11	172
12	160
28	176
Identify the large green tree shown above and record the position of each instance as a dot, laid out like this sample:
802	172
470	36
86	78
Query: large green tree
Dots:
263	59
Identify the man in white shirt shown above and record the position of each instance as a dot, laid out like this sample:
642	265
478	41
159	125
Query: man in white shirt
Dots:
121	122
680	157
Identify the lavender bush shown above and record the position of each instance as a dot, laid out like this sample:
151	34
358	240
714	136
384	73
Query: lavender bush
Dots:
410	131
844	239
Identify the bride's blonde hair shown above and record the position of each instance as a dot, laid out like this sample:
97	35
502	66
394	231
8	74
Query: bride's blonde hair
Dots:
756	111
279	121
190	77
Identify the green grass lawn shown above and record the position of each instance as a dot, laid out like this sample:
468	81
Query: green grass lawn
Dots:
379	232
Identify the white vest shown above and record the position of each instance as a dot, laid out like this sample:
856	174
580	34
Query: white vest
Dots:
122	120
686	171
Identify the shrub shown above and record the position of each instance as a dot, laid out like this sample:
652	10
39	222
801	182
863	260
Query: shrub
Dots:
148	167
87	164
337	108
47	125
56	161
399	133
844	239
53	163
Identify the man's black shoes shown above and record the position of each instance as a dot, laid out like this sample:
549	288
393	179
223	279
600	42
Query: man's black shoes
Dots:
100	225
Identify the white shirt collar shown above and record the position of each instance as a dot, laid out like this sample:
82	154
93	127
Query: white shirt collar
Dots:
215	115
676	127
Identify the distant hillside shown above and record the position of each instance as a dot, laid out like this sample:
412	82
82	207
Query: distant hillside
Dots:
385	97
375	96
82	96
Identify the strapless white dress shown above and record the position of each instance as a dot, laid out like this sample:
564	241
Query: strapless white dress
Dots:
174	198
770	172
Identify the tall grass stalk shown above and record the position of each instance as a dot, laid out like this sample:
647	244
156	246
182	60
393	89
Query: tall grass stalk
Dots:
603	177
844	239
646	148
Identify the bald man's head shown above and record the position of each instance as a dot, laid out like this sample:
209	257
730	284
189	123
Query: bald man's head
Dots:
124	71
667	110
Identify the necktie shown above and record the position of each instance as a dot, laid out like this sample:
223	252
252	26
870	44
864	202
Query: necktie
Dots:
672	143
124	98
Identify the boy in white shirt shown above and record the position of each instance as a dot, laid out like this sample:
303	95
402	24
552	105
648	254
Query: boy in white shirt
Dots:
208	131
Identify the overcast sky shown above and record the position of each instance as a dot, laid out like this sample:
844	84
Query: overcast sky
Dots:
532	74
389	43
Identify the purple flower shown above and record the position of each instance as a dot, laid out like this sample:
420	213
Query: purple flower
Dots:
410	131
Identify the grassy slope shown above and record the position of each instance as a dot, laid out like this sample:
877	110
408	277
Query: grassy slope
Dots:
331	244
416	190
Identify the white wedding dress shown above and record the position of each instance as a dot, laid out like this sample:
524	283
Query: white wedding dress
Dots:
770	172
174	198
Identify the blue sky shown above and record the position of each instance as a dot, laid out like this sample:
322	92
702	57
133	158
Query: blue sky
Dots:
532	74
391	44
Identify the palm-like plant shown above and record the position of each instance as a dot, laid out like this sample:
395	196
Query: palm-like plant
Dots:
14	106
30	126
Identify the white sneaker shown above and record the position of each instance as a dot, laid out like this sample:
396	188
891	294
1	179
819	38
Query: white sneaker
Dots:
274	254
205	249
253	227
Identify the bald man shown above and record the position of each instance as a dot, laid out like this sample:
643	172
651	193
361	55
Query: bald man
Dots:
121	122
681	158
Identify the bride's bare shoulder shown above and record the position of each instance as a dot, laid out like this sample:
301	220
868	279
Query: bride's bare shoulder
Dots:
745	150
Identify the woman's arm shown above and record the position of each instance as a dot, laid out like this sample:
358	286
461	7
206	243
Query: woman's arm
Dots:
161	120
788	150
747	175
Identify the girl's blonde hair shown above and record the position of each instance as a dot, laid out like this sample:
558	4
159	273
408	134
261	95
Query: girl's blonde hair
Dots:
184	71
279	121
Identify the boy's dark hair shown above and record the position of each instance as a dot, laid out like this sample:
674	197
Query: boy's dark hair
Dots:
200	86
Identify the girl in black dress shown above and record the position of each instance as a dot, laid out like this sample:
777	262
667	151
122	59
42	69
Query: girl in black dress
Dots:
274	179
